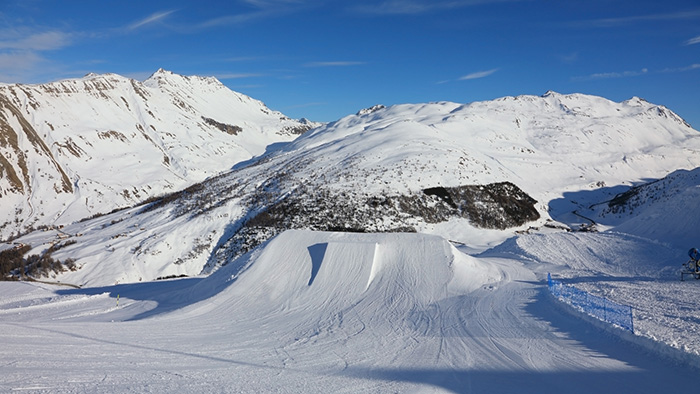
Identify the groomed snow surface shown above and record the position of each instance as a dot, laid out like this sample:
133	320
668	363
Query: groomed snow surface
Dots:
342	312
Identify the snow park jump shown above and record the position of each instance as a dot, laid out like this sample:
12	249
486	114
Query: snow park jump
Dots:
323	312
302	271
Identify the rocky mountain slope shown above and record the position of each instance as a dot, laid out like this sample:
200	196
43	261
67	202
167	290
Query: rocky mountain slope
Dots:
74	148
474	173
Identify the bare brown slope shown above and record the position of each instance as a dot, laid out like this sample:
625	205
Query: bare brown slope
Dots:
19	177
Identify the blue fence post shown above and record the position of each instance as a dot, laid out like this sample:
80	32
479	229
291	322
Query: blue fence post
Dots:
631	321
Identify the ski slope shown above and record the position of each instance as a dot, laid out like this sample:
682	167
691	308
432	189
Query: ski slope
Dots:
334	312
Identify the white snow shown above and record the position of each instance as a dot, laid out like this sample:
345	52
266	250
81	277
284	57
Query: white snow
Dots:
566	151
332	312
110	141
341	312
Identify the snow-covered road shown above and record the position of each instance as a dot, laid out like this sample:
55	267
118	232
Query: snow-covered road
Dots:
339	313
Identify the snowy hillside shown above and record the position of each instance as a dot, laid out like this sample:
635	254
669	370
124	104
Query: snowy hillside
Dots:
74	148
437	168
341	312
663	209
602	195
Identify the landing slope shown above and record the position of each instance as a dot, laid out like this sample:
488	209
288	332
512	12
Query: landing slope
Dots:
320	312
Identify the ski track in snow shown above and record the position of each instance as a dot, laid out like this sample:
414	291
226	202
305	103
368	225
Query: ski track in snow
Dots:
327	312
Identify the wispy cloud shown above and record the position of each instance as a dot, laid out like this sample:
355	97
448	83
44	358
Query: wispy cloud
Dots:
695	66
412	7
693	41
15	62
262	9
20	52
138	75
478	74
31	67
334	64
153	18
627	20
26	40
570	58
609	75
232	19
22	47
644	71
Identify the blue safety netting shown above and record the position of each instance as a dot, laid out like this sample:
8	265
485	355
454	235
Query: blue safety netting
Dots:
598	307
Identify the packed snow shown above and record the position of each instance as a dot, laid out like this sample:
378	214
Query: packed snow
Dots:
341	312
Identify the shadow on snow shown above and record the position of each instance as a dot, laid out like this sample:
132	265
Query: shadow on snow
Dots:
645	371
169	295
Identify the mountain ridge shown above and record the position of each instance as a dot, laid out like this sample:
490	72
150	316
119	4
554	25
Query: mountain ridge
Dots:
107	141
392	169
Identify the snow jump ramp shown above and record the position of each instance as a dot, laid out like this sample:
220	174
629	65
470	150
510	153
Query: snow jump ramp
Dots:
322	271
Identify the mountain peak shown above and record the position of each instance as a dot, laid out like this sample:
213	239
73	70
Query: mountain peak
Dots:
370	110
636	101
160	73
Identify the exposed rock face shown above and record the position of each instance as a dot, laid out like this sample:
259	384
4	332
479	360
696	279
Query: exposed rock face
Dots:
12	140
494	206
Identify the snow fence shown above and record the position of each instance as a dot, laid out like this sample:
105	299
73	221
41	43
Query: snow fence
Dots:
598	307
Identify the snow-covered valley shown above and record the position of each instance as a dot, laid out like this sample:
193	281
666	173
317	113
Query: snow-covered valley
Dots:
466	208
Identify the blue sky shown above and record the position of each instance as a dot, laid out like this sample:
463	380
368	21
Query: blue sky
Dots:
326	59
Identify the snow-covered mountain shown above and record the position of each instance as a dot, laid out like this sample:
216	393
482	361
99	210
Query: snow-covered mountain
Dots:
78	147
507	181
666	209
473	173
